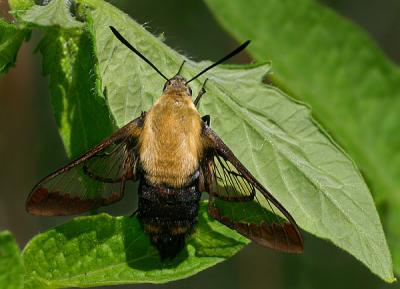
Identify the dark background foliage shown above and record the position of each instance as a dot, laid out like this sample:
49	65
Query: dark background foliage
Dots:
30	146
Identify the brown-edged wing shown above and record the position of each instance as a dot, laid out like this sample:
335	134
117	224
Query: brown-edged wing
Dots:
95	179
240	202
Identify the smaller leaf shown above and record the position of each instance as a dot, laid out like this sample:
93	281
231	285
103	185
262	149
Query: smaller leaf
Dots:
56	13
18	7
105	250
274	136
11	267
11	38
80	110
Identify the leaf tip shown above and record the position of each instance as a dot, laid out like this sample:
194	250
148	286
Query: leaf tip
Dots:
391	279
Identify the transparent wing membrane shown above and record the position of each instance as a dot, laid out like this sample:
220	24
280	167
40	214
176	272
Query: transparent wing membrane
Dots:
95	179
240	202
111	164
228	183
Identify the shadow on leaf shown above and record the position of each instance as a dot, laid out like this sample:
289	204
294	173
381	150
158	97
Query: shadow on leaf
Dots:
140	253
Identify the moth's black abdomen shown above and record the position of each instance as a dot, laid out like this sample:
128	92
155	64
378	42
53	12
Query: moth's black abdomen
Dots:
168	215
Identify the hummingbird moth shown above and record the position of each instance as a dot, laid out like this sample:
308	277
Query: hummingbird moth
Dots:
175	156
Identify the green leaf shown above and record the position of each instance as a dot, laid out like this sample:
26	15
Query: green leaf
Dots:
105	250
353	88
11	38
34	283
81	112
55	13
11	267
18	7
274	136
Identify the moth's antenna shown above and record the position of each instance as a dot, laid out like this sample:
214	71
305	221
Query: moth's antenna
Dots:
127	44
234	52
180	67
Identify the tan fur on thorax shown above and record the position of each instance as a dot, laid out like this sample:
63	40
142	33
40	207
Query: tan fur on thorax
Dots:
170	143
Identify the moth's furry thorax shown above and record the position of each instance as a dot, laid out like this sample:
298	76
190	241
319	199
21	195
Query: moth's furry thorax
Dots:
170	144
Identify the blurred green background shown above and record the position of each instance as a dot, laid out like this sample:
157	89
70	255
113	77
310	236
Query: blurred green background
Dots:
30	146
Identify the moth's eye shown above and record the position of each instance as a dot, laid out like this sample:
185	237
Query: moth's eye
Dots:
165	86
189	90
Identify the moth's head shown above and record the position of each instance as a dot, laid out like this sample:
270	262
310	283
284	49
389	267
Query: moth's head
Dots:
177	85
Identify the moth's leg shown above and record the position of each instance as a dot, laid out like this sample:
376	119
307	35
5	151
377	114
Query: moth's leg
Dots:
201	92
134	213
206	119
194	177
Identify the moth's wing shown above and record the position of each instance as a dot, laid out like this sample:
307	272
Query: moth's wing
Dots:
225	178
95	179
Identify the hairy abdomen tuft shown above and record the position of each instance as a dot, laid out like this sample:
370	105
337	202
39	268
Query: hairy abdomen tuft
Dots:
168	215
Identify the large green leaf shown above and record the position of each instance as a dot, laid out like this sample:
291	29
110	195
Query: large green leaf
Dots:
11	38
353	88
105	250
11	267
273	135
